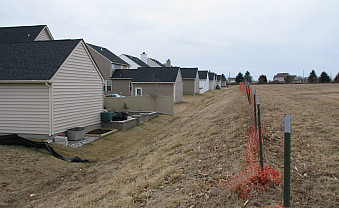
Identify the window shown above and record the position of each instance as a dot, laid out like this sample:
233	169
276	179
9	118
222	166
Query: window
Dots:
138	91
108	85
130	86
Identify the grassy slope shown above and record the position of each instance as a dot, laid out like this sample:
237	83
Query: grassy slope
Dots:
179	160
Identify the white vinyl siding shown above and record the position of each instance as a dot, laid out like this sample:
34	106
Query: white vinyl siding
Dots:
77	92
43	35
178	88
24	108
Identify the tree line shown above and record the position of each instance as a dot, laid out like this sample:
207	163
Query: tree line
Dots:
312	78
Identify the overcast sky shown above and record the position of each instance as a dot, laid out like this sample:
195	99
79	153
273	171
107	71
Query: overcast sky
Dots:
224	36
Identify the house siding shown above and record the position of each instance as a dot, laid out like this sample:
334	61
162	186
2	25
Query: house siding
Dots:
24	108
204	85
43	35
149	89
121	86
103	63
179	88
77	92
189	86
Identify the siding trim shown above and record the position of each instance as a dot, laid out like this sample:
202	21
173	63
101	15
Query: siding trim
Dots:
48	32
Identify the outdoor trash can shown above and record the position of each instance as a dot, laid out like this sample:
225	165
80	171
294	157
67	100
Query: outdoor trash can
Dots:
76	133
106	116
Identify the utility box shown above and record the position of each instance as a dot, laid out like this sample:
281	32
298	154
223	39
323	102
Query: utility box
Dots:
106	116
76	133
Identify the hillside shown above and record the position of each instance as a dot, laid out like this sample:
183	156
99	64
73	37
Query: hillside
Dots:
178	161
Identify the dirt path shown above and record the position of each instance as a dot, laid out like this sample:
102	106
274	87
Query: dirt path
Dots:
178	161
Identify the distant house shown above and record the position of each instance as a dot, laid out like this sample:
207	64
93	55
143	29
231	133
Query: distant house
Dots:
280	77
218	82
150	62
232	80
47	87
223	81
203	81
190	78
150	81
133	61
25	34
212	80
107	62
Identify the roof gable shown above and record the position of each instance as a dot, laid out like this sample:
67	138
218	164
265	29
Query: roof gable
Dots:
157	74
107	54
157	62
20	33
189	73
124	74
136	60
38	60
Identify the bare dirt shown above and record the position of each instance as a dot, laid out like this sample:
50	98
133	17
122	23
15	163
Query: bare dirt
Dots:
178	161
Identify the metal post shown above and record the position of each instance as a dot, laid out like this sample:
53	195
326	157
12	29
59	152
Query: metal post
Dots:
287	161
249	93
260	142
255	109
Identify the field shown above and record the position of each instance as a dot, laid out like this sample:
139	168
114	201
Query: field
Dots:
179	161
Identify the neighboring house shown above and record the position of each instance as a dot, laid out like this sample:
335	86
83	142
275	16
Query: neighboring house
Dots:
122	81
47	87
107	62
149	81
25	34
218	83
212	80
280	77
232	80
223	81
134	62
190	78
150	62
203	81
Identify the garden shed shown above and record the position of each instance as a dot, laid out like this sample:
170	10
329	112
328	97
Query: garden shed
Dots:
47	87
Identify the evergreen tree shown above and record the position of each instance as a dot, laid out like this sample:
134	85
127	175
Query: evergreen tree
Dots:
324	77
262	79
313	77
239	78
336	79
248	77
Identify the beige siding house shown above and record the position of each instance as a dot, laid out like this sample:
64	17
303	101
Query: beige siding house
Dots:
107	62
150	81
59	87
190	78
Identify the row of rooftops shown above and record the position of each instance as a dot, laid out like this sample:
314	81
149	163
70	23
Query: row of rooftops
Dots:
23	57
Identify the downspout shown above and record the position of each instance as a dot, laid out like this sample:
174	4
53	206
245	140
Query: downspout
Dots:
50	108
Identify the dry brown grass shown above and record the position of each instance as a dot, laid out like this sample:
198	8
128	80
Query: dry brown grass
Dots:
178	161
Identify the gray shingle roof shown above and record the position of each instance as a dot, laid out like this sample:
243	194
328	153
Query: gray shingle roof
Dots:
20	34
148	74
137	61
38	60
108	54
203	74
211	75
189	73
124	73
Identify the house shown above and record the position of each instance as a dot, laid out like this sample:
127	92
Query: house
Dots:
218	81
134	62
212	80
47	87
25	34
203	81
150	81
107	62
232	80
280	77
190	78
223	81
150	62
